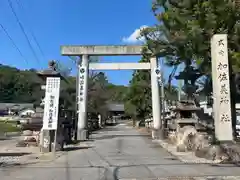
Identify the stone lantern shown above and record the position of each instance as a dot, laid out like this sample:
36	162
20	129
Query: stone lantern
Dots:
189	78
51	71
186	122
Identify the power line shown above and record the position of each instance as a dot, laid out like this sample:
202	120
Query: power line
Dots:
19	4
38	45
23	30
14	44
31	31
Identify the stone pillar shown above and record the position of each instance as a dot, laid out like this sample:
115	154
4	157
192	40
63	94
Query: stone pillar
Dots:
221	88
82	99
45	141
157	123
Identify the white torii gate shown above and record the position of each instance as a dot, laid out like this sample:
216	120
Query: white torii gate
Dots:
84	52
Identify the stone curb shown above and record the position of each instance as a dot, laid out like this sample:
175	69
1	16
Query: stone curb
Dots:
13	134
33	159
39	157
48	157
5	136
186	157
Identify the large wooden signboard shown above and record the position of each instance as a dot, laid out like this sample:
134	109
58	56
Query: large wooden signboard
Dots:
50	118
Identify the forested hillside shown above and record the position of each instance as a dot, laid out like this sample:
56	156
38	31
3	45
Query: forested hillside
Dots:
24	86
19	86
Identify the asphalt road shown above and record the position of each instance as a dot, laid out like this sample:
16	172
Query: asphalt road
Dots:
117	152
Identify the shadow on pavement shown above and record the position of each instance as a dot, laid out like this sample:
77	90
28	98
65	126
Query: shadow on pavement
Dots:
76	148
106	129
111	124
116	136
4	138
13	154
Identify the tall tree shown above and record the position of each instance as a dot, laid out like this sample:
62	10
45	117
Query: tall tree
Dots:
138	98
97	93
186	27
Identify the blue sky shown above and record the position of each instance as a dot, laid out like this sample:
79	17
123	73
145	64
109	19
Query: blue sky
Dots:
72	22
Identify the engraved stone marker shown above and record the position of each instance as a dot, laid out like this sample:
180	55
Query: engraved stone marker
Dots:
221	88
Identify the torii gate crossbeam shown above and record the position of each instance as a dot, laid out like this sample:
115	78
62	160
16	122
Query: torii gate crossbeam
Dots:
84	52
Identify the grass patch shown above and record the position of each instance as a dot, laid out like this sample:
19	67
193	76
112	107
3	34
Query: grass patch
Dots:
8	127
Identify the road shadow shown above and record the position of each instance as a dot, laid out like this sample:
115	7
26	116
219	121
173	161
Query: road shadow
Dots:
4	138
107	129
226	164
117	136
9	165
111	124
81	141
13	154
68	149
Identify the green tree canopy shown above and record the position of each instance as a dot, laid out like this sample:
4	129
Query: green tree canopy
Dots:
186	27
138	100
24	86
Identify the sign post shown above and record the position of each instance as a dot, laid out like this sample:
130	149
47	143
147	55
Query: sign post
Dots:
51	107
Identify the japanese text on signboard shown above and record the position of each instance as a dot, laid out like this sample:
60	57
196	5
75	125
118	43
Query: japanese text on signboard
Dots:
50	118
51	110
81	83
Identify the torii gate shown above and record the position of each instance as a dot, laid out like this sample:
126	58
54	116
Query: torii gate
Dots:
85	52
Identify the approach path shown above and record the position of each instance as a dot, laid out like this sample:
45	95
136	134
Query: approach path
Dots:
117	152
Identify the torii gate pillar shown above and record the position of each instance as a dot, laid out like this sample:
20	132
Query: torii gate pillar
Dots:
156	109
82	98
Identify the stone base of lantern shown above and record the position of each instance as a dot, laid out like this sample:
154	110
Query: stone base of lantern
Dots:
157	134
82	135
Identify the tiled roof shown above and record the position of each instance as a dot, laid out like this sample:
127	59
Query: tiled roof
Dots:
115	107
20	106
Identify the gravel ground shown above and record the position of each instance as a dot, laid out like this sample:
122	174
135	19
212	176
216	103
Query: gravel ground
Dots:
186	157
9	160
